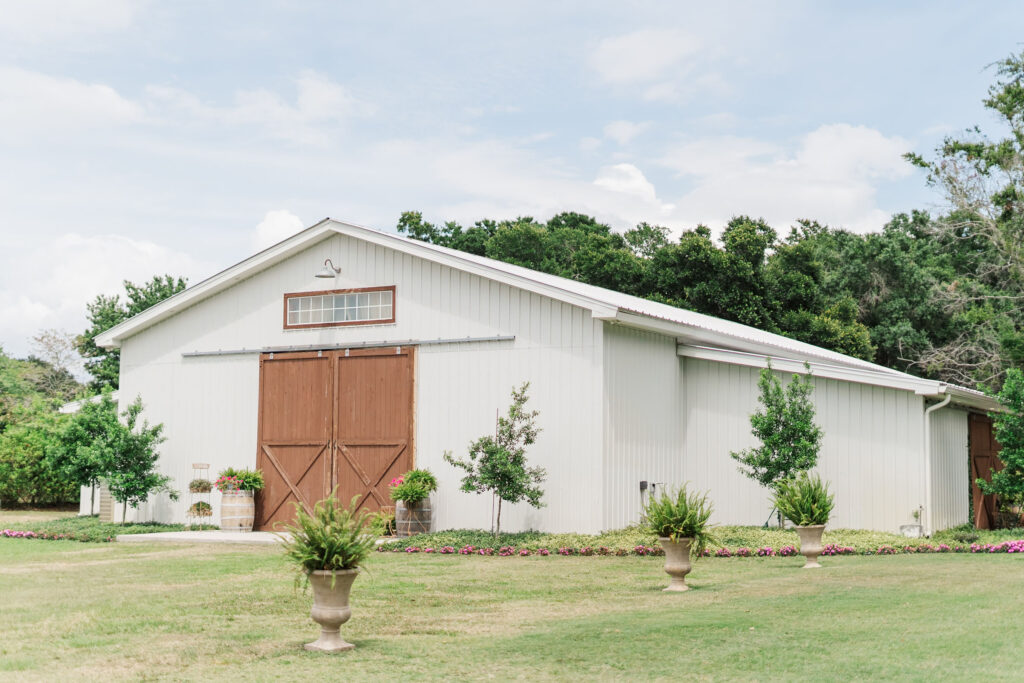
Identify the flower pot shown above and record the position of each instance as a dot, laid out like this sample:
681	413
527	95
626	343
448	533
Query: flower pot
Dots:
330	608
412	518
810	544
236	511
677	562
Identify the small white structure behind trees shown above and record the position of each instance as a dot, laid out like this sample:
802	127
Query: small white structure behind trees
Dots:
343	356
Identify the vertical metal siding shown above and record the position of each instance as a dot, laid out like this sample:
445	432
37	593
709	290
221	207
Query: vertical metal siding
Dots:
209	405
872	449
642	426
950	469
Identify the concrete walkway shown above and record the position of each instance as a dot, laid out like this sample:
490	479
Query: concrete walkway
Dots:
238	537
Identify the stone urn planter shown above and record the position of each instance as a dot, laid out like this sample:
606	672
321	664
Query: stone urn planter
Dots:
810	544
677	562
330	608
236	511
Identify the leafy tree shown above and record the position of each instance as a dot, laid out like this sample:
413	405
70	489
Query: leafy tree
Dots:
84	451
1008	483
106	312
498	463
133	478
785	427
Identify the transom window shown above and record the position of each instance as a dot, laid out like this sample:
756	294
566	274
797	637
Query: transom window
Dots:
369	306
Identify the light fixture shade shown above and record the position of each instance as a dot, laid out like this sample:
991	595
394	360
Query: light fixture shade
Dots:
328	271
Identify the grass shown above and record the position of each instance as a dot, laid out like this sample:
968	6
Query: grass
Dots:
166	612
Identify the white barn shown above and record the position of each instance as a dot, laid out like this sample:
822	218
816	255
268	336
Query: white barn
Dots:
410	349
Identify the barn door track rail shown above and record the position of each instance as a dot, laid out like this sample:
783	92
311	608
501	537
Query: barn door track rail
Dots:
349	345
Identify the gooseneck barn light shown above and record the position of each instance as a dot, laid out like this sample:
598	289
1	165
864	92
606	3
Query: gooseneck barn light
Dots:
327	271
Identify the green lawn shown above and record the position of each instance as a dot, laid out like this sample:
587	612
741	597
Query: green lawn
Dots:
73	610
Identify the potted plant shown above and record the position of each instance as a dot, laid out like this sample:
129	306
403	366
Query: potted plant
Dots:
200	486
200	509
329	547
680	519
807	502
915	530
237	488
411	493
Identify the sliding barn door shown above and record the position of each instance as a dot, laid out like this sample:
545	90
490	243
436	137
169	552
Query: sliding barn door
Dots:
295	432
373	428
984	452
332	419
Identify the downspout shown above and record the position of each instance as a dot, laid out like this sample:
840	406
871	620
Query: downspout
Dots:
928	461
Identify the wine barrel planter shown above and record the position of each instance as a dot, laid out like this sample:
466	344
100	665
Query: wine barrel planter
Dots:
412	519
236	511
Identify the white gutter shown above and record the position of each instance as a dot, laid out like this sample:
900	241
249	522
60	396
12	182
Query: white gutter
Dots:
929	528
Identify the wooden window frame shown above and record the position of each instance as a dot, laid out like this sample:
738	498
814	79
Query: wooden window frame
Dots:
345	323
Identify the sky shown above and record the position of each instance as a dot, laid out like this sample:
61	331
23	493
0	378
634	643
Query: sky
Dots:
141	138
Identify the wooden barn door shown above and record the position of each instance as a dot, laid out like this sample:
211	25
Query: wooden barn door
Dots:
984	451
294	439
332	419
373	428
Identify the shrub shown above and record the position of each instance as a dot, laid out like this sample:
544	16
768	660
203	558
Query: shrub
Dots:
200	486
27	473
804	500
413	486
333	537
200	509
239	480
681	514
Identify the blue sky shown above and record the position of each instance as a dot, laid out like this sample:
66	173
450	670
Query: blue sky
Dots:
139	137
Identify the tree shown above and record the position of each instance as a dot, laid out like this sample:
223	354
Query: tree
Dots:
84	452
1008	483
785	426
983	182
55	349
134	477
498	463
106	312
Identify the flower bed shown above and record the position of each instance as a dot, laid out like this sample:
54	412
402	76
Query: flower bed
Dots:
86	529
645	550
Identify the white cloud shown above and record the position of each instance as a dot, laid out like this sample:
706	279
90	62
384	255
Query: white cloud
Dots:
623	132
321	108
49	20
49	284
276	226
644	56
831	175
32	103
627	179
